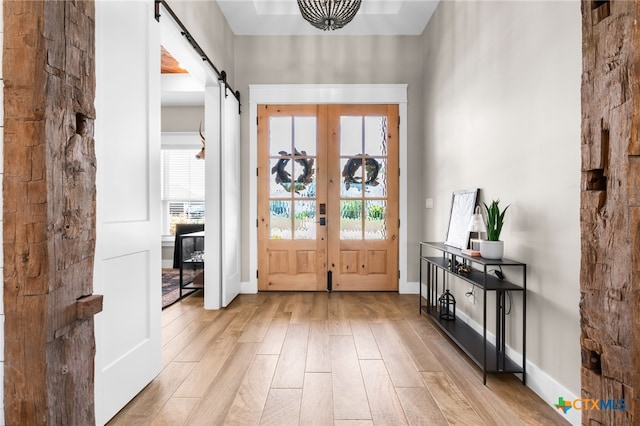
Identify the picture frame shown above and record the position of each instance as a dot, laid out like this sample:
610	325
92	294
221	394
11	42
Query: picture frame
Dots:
463	203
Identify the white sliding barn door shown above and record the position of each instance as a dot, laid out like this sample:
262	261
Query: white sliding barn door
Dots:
127	262
230	213
212	220
222	197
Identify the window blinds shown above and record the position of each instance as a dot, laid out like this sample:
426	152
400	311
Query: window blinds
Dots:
182	175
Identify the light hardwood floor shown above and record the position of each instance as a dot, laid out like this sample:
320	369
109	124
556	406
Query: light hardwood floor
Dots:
321	359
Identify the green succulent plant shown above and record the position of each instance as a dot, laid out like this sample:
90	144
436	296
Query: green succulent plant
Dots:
495	220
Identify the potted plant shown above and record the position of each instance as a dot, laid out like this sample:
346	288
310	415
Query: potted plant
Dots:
493	248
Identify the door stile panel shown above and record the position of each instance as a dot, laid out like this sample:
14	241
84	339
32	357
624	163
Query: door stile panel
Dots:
287	167
377	260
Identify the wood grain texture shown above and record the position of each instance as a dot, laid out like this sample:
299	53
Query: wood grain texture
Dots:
349	394
216	401
420	354
317	400
420	407
198	381
48	211
467	376
609	265
195	349
149	403
274	337
318	356
454	405
366	345
259	324
383	399
242	383
173	347
175	412
402	370
290	370
282	408
249	402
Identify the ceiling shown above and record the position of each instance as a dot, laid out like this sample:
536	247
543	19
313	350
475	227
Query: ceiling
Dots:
169	64
282	17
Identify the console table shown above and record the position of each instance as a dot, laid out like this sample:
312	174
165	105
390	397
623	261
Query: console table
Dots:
491	358
192	252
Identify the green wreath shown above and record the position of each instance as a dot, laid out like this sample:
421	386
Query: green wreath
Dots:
283	177
371	166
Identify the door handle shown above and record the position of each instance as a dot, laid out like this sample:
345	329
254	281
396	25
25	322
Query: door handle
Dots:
323	221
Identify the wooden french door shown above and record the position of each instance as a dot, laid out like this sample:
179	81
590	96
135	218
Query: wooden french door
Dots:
328	197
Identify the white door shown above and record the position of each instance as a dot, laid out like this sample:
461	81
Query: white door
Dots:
222	195
230	197
127	260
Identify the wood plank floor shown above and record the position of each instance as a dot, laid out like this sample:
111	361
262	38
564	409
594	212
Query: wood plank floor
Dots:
321	359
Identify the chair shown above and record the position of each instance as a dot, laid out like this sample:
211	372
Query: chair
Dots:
183	228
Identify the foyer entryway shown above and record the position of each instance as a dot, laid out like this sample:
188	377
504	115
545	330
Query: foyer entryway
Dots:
328	197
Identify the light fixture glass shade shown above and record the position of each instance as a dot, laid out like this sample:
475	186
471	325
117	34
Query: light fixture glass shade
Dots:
329	14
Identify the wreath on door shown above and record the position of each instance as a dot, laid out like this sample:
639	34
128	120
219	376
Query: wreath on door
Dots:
283	177
371	167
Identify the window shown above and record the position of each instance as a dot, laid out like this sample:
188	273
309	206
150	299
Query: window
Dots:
182	188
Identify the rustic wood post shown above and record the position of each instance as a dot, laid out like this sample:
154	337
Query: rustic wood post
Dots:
49	212
610	210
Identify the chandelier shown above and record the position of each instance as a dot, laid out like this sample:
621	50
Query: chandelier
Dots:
329	14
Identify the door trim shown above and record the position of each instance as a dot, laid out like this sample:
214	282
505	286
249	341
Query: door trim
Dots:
325	94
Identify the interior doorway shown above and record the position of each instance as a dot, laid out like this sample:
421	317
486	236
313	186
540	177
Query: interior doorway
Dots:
328	197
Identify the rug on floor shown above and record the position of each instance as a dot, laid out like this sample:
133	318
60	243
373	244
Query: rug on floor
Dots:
170	286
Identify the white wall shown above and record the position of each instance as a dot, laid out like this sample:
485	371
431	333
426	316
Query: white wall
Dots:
502	113
182	119
209	28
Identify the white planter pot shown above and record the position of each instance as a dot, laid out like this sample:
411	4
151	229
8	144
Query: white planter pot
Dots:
491	249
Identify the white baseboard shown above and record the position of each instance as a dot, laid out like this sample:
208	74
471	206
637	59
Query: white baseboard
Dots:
409	287
545	386
167	263
247	287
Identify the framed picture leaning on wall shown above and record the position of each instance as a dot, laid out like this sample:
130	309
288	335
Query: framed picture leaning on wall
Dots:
463	203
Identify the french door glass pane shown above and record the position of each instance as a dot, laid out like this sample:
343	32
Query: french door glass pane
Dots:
375	225
375	135
375	177
305	135
279	136
304	185
351	184
304	220
351	220
280	184
280	220
350	136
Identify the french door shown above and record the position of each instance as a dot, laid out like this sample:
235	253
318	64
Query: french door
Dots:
328	197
